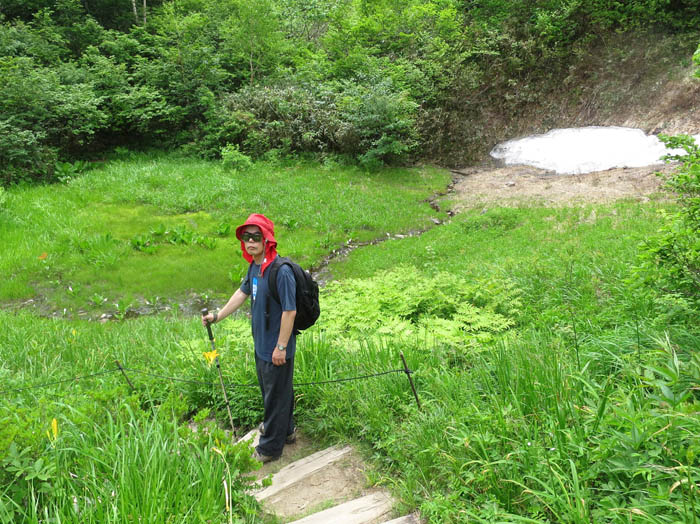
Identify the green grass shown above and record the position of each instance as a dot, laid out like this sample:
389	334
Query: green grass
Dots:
589	398
555	387
70	246
585	411
116	452
560	257
133	467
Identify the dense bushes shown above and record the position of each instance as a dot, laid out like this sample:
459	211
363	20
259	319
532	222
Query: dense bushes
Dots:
378	81
374	123
44	111
671	260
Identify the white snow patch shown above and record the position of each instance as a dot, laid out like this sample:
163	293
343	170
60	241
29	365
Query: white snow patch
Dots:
585	149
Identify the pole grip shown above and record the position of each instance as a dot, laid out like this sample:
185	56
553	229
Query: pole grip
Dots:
205	312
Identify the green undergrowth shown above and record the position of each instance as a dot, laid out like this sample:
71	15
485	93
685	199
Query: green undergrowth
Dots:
556	385
93	449
563	259
581	407
582	410
145	228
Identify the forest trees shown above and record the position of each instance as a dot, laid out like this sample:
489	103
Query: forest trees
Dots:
370	80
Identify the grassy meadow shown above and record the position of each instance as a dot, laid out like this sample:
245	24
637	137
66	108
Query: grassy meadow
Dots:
142	229
555	387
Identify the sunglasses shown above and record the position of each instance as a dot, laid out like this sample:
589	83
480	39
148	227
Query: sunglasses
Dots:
255	237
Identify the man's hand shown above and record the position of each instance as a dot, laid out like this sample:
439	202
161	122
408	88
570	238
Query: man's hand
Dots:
279	358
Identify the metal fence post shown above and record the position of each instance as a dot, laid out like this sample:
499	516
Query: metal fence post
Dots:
124	373
410	379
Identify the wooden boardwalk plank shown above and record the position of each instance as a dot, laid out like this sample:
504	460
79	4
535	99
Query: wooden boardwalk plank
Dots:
359	511
301	469
406	519
253	435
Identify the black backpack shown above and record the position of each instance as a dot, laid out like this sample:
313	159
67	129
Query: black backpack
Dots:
308	309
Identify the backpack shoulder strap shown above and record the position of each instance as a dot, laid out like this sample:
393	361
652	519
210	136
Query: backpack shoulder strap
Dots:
272	279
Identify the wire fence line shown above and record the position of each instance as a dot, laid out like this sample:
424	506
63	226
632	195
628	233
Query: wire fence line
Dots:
255	385
56	382
191	381
121	369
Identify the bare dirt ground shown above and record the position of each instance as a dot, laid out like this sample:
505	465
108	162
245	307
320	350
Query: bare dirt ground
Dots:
642	82
518	185
334	484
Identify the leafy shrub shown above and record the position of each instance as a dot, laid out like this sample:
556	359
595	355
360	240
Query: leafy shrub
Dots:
288	118
232	158
221	127
37	41
46	112
380	122
136	110
373	121
680	15
23	153
66	171
671	260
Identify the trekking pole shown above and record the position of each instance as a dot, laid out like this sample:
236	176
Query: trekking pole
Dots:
205	312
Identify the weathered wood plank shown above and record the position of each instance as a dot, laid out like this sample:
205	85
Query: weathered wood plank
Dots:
301	469
253	435
406	519
359	511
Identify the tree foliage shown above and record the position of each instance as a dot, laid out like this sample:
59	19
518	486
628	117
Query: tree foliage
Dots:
374	80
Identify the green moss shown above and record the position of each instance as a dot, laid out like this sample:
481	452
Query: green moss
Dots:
105	234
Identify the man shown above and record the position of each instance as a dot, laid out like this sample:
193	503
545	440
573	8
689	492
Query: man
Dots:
273	336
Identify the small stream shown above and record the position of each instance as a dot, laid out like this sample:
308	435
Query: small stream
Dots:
193	303
321	272
561	151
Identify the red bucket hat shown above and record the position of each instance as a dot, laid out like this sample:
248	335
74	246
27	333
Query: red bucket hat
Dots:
267	228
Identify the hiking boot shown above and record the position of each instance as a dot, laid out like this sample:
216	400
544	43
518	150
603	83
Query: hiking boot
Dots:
291	438
264	458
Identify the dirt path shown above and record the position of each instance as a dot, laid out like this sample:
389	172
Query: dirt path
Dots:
517	185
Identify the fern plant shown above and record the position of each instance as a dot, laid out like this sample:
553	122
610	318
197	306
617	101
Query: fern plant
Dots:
404	302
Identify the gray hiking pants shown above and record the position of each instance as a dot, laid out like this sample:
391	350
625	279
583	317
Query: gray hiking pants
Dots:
276	386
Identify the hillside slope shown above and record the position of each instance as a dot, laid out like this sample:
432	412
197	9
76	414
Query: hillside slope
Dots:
648	81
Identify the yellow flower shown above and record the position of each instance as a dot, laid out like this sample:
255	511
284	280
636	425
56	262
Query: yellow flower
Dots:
211	356
53	434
